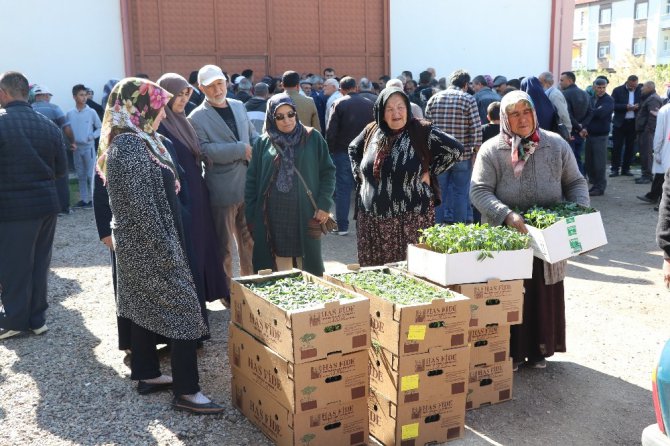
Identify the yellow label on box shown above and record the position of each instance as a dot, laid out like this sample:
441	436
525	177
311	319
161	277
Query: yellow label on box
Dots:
410	431
416	333
409	382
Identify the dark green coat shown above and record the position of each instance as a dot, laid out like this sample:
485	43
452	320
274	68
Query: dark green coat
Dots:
314	163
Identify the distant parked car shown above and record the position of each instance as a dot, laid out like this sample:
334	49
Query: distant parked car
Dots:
657	434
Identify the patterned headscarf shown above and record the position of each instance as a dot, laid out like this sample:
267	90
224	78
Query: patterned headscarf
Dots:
389	136
286	142
522	146
176	123
132	107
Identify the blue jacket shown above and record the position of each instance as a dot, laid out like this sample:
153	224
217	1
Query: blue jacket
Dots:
599	122
32	156
620	97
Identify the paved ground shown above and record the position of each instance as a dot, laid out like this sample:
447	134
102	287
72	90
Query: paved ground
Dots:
71	385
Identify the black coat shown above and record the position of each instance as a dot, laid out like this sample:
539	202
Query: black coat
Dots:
349	116
32	156
620	96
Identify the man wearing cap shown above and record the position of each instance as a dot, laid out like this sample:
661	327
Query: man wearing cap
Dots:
243	89
483	95
331	90
499	85
306	87
226	135
43	105
32	156
307	113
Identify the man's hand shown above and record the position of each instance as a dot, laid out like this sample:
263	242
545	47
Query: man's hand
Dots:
321	216
516	221
247	152
583	133
73	146
108	242
666	272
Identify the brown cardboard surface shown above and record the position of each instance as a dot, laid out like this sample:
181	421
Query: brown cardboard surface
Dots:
302	335
489	385
489	345
337	378
415	424
338	424
468	267
494	302
411	378
412	329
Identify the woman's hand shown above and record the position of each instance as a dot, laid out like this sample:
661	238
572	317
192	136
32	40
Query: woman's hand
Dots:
321	216
108	242
516	221
666	273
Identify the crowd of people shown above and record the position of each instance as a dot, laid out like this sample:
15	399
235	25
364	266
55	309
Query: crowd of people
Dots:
180	172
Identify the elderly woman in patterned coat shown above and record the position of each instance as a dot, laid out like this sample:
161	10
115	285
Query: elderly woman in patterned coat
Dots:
155	289
395	161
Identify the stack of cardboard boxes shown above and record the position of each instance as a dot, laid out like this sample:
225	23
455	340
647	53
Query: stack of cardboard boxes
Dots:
495	287
418	365
301	376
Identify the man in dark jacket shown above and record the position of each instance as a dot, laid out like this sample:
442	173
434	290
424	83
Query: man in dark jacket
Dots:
483	95
32	156
626	104
645	126
579	110
596	131
349	116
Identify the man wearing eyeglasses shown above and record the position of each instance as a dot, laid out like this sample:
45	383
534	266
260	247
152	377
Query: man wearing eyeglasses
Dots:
226	135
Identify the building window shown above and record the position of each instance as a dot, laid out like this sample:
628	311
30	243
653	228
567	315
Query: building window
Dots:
641	10
582	19
605	16
603	50
665	44
667	6
639	46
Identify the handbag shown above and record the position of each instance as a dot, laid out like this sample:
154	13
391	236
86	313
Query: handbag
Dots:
315	229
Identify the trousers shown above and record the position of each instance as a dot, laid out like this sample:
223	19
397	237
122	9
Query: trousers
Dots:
84	164
231	227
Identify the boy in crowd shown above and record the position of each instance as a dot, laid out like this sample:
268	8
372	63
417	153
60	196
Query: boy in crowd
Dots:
493	127
85	125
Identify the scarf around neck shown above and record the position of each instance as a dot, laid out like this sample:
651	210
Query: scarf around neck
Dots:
522	147
176	123
388	136
287	143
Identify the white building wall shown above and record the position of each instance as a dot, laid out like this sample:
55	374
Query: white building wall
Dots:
591	45
61	43
621	39
449	34
654	32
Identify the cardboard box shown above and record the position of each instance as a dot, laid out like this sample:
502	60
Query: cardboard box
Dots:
411	378
568	237
307	334
464	267
339	377
489	345
489	385
494	302
412	329
337	424
416	424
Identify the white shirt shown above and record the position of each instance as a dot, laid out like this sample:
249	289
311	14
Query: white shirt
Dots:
631	100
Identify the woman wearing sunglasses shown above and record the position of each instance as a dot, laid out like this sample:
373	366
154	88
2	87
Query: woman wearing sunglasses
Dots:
278	208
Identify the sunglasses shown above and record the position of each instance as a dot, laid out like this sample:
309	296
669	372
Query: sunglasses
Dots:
280	117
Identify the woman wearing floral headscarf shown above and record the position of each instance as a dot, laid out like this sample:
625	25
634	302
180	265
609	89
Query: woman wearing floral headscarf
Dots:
278	209
522	167
155	289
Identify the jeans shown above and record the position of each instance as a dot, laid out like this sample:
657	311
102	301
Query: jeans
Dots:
84	164
455	187
577	146
622	157
596	161
344	183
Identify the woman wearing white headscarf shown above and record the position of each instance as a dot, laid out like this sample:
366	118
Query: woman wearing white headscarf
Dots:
522	167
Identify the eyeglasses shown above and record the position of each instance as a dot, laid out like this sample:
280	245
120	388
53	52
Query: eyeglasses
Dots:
280	117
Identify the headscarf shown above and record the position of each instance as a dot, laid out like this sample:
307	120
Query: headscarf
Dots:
389	136
176	123
286	142
522	147
544	109
132	107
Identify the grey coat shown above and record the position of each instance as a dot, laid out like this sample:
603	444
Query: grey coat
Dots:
226	174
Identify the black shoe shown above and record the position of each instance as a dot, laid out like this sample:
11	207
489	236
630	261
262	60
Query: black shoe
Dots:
145	388
596	192
80	204
642	180
626	174
614	174
646	199
211	408
656	208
